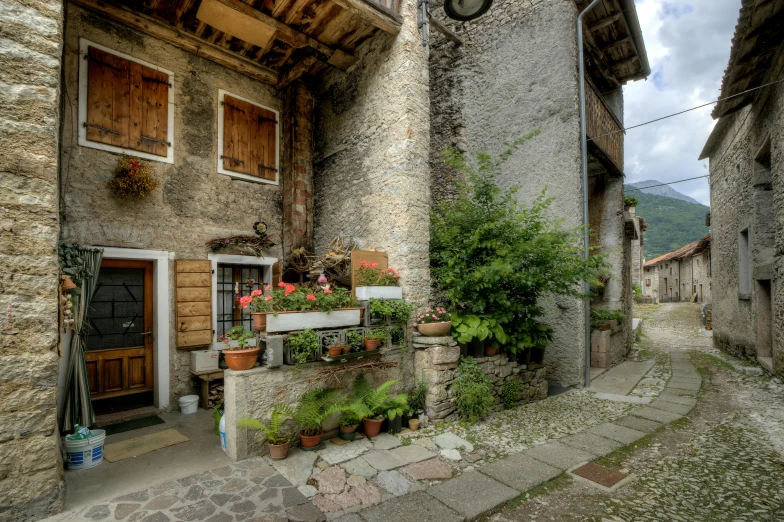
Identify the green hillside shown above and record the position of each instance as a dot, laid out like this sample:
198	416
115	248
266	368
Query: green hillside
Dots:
672	223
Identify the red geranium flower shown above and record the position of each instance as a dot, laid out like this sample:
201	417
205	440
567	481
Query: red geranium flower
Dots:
310	297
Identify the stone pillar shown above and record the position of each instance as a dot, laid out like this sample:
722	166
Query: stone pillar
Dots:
435	361
31	472
297	168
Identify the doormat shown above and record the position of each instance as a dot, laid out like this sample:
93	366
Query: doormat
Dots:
141	445
599	476
135	424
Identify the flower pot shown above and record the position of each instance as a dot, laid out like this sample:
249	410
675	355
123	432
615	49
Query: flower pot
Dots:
347	432
335	351
604	327
371	344
413	424
365	293
395	425
279	451
259	321
239	360
345	349
524	357
489	350
435	329
68	284
310	441
371	426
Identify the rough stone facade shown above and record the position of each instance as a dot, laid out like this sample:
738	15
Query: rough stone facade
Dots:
371	171
436	360
638	259
31	473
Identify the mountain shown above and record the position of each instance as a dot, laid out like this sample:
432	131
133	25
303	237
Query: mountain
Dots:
672	222
662	190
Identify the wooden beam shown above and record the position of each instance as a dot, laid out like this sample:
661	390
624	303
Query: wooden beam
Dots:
617	44
181	39
444	30
374	14
604	22
289	34
626	61
296	72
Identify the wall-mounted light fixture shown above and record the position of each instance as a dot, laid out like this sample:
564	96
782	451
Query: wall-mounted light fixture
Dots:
465	10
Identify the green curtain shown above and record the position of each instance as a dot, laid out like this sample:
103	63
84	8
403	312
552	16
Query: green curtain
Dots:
78	408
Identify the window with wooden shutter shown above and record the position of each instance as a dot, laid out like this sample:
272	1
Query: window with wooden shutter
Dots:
247	139
124	104
193	297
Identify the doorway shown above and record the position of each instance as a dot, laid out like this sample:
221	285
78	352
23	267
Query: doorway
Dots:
119	347
764	320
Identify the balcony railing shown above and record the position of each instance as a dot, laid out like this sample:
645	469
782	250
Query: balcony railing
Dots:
605	132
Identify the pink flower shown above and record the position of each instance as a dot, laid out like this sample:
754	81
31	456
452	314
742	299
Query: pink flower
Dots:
268	298
310	297
373	265
268	287
327	291
281	284
245	300
289	290
256	293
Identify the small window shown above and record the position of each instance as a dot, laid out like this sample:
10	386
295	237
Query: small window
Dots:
247	139
744	267
647	282
125	105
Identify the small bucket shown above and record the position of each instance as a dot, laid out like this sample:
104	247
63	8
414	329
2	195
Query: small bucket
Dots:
85	453
189	404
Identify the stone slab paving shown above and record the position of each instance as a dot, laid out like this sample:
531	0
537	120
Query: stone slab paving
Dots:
638	423
417	507
679	392
591	443
432	469
621	379
664	417
688	401
473	494
681	409
334	454
449	440
559	455
359	467
521	472
394	482
413	453
631	399
617	432
297	466
384	460
384	441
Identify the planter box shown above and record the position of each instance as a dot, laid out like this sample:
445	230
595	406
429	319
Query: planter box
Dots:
379	292
293	321
204	360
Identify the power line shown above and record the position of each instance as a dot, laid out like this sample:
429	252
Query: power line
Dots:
687	110
670	183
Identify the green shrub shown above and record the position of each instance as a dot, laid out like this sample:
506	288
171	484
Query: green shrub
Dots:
397	311
510	394
600	316
416	401
304	346
473	391
630	201
316	406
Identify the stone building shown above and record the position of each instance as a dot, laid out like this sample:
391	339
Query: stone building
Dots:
348	114
745	157
682	275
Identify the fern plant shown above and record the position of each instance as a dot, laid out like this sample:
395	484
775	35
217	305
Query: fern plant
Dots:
280	412
378	402
316	406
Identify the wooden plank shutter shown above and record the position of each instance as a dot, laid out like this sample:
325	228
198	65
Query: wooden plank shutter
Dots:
371	256
194	298
276	274
108	98
152	110
249	139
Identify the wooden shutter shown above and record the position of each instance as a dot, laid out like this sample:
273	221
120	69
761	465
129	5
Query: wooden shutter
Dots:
276	274
127	104
371	256
194	298
249	139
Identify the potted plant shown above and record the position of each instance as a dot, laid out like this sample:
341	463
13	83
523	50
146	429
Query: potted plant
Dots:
374	282
238	356
335	350
374	401
416	403
352	416
394	407
260	305
303	346
278	443
355	340
396	311
435	322
314	407
373	338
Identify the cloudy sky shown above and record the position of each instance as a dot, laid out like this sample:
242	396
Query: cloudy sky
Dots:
688	44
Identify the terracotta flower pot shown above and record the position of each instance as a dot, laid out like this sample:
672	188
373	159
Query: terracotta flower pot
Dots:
279	451
345	349
372	426
335	351
489	350
371	344
67	284
259	321
347	432
435	329
239	360
310	441
413	424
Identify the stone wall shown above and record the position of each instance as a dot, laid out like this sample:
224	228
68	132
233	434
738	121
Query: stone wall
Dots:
194	203
371	173
515	73
31	476
436	361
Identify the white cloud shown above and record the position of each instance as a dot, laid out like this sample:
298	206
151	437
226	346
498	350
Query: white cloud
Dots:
688	44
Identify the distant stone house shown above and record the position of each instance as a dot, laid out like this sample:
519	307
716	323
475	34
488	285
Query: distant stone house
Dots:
682	275
745	158
320	119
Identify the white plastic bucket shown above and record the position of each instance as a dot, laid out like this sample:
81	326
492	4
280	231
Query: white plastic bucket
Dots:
85	453
189	404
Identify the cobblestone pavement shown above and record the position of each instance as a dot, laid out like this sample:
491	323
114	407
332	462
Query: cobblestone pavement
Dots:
724	461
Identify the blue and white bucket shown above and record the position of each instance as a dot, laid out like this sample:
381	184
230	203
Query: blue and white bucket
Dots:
85	453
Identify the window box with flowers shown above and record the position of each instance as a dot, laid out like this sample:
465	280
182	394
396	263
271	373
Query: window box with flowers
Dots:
373	282
288	308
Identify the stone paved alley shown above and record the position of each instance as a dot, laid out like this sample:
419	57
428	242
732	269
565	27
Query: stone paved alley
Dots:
721	461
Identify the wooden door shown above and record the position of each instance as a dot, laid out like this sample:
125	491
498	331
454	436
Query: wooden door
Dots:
119	350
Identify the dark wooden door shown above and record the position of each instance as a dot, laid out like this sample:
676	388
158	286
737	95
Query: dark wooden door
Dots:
119	350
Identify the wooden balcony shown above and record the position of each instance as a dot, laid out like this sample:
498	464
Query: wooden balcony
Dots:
605	132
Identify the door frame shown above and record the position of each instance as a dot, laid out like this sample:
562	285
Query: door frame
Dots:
161	318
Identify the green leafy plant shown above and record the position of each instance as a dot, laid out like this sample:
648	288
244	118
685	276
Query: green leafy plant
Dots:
630	201
353	412
375	401
493	258
354	339
473	391
236	333
468	327
376	334
304	346
637	289
288	298
416	400
510	394
397	311
600	316
396	406
316	406
279	413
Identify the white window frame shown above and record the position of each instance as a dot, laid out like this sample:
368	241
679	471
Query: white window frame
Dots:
233	260
82	130
238	175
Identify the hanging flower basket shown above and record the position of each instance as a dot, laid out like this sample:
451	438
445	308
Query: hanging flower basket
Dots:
133	179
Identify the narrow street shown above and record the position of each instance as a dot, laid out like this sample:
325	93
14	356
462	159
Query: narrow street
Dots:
723	461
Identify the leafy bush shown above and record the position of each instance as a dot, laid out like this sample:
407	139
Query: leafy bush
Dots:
355	339
416	401
600	316
630	201
637	289
493	258
397	311
473	391
304	346
510	394
369	274
279	413
316	406
376	334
